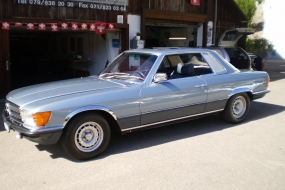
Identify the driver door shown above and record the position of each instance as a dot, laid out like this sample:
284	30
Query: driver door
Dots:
172	99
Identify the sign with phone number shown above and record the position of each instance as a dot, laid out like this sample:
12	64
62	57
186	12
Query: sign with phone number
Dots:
105	5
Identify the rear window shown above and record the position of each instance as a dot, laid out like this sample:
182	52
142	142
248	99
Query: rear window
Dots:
231	37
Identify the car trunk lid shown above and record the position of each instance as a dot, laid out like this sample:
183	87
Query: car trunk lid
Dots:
230	37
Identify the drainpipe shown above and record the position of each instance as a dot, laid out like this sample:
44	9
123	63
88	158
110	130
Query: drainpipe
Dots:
215	22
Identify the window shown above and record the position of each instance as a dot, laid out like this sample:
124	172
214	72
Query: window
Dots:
184	65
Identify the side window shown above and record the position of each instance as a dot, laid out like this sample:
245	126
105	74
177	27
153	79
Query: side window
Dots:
197	60
165	67
184	65
201	67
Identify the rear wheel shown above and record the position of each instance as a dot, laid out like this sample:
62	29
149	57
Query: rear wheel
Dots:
86	136
237	108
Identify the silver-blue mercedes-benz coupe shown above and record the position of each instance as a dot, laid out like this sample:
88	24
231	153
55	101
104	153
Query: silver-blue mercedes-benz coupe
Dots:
140	89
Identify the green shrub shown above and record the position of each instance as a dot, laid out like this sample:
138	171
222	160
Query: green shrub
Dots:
260	46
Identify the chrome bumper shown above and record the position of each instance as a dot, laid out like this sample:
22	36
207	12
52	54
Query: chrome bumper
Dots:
42	136
260	94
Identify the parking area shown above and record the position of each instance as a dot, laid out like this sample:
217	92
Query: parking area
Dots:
200	154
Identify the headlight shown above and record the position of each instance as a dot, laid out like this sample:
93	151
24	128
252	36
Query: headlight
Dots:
27	117
35	119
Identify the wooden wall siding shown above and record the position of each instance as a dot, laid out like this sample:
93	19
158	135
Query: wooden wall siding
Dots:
183	6
135	7
10	10
228	13
210	9
5	83
2	67
227	10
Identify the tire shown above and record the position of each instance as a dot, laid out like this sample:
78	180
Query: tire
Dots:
86	136
237	108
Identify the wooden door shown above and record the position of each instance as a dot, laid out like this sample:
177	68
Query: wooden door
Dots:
5	80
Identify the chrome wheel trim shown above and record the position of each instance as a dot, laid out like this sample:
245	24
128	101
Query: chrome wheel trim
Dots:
239	107
89	136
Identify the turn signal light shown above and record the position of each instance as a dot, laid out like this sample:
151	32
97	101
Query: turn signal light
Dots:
41	118
267	82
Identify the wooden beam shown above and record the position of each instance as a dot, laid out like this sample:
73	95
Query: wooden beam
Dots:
169	15
205	32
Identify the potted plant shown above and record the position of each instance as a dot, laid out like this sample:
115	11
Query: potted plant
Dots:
138	35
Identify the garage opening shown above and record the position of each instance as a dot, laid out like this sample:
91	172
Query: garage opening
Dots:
45	56
164	33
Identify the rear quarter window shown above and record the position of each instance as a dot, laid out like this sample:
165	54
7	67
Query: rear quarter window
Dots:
214	63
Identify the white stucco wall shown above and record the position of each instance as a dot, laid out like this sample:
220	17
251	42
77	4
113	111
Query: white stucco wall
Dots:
210	33
134	22
97	50
200	36
97	53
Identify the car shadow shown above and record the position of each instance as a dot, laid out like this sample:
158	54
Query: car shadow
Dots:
157	136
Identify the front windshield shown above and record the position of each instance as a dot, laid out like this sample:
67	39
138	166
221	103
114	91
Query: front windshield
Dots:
130	66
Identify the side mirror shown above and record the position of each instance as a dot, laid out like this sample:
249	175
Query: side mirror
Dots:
160	77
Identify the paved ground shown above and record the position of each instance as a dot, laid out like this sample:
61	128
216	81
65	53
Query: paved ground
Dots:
200	154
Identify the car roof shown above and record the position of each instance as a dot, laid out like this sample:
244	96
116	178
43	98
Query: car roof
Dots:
167	50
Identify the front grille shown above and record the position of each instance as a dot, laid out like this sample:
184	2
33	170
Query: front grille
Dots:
13	111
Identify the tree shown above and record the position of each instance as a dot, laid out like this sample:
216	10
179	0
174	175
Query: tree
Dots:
259	1
248	8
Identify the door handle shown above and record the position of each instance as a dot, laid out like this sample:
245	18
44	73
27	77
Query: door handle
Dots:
200	86
7	65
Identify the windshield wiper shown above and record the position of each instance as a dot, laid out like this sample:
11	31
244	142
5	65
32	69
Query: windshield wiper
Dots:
126	77
119	75
114	74
139	78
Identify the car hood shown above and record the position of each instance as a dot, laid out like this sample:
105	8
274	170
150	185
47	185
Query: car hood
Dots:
29	94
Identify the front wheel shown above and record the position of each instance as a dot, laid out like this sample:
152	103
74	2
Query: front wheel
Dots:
237	108
86	136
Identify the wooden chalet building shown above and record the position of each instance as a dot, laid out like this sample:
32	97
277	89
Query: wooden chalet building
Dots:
48	40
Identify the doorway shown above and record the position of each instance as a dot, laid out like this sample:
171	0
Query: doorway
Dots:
165	33
39	57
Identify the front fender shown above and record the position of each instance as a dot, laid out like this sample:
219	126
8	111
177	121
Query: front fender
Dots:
88	108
